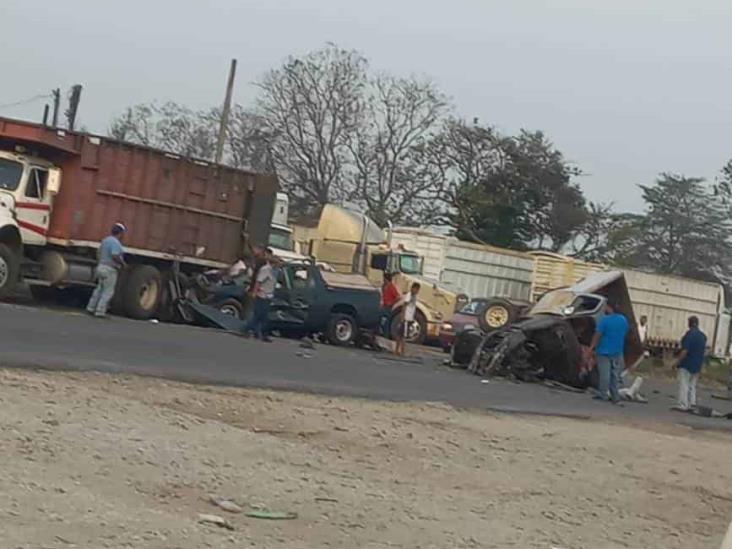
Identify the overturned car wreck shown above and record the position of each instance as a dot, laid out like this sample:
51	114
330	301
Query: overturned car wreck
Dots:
552	341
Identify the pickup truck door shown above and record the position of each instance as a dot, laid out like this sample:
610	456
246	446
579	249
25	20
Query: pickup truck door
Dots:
291	302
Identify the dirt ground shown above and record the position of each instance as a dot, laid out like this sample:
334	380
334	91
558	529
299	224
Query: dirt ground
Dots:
94	461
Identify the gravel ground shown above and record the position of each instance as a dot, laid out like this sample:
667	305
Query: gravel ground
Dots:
94	460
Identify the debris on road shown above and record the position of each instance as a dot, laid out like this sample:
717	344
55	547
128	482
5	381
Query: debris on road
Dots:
271	515
215	520
226	504
307	343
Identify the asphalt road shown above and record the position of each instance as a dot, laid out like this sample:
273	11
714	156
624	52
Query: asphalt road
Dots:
34	337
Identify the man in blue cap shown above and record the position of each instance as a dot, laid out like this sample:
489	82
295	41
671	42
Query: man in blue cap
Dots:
111	261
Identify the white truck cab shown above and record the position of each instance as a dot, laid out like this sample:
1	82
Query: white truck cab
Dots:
280	233
27	187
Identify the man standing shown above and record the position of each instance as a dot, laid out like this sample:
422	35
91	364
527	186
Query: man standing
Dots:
389	297
262	292
609	346
643	329
408	314
689	364
111	260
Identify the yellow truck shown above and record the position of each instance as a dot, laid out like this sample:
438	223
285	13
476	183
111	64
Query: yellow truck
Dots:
350	242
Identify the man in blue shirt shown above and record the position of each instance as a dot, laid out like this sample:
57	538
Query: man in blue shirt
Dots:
111	260
689	364
608	343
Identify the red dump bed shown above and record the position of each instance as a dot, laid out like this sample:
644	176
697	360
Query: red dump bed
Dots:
170	204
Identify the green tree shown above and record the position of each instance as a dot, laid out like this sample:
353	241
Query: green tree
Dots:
515	192
685	230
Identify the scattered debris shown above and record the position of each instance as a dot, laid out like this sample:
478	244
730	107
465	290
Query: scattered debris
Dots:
327	500
226	504
303	354
632	393
485	380
307	343
271	515
215	520
154	321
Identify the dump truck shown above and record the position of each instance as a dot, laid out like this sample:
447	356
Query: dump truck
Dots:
350	242
61	191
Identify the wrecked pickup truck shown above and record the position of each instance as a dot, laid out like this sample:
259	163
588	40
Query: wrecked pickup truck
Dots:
552	341
307	300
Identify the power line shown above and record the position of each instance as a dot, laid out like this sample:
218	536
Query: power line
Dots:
24	101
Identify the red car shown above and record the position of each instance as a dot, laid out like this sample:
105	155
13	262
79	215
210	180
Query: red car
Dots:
483	313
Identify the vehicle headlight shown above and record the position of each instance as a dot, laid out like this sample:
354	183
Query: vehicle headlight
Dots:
447	326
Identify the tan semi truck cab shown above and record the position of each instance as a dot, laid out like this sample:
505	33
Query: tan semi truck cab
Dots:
352	243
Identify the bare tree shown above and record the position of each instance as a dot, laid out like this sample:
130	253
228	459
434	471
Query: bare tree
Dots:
398	117
170	126
136	125
310	105
248	141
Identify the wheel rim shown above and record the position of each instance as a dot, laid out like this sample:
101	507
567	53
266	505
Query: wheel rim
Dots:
496	316
230	310
149	295
343	330
4	272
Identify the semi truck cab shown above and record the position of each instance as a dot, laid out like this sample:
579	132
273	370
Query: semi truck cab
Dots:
436	303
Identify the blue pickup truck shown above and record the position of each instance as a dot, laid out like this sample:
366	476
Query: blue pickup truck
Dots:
309	300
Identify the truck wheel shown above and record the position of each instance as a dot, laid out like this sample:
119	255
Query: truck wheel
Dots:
9	271
142	291
342	329
496	314
417	331
232	307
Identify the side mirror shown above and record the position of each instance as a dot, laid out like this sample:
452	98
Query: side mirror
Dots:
53	185
379	262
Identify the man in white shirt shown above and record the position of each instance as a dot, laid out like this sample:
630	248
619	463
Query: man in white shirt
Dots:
643	328
262	292
408	314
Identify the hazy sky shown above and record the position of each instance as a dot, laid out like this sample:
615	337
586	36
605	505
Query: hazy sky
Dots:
625	91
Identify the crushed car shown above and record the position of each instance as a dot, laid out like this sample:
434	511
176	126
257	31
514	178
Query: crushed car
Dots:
552	341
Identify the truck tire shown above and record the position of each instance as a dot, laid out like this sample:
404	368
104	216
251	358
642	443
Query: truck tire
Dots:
142	290
9	271
418	332
232	307
342	329
496	314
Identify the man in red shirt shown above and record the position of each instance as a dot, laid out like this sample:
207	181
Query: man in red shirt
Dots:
389	296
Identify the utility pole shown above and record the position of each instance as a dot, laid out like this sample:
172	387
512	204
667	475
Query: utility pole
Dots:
74	98
225	112
56	106
45	114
